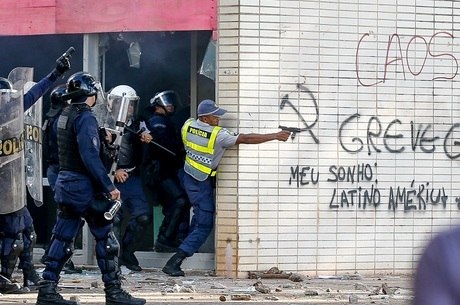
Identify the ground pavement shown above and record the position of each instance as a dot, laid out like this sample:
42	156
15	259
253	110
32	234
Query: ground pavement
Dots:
204	288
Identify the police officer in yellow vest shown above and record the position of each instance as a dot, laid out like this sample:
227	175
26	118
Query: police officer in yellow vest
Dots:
205	143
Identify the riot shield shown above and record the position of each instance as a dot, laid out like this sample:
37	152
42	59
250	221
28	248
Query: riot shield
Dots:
11	147
122	104
102	111
33	148
19	76
122	108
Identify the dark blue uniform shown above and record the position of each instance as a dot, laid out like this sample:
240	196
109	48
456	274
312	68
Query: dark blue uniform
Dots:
82	177
167	182
75	191
50	148
17	228
133	197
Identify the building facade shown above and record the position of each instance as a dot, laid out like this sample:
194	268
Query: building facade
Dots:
371	175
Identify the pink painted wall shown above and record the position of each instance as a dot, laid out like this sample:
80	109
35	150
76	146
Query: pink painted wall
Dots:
35	17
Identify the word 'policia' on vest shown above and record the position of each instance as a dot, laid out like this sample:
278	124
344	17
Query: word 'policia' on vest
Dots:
199	132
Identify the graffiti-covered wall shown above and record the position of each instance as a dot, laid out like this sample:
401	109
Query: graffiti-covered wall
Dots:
370	91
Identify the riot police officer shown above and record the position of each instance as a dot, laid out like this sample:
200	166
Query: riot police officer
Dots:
81	177
128	181
50	151
166	165
17	233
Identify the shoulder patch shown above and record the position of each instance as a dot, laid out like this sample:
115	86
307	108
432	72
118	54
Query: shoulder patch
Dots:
95	141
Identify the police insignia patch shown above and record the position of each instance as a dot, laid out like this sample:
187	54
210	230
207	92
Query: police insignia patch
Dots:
95	142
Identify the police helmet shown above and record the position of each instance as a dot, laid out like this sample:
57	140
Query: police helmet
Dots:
57	103
82	84
56	94
123	90
167	99
115	99
5	84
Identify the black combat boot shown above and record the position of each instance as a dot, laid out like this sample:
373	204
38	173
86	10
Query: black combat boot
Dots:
7	286
115	295
31	278
69	268
172	267
47	295
128	259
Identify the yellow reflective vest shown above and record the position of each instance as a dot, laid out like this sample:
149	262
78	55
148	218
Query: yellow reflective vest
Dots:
199	142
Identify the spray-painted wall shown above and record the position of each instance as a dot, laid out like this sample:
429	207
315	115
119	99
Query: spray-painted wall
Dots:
371	176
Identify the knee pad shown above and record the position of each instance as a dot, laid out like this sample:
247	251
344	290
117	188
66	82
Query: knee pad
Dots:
106	252
18	244
59	253
10	250
108	247
30	238
11	246
61	248
25	257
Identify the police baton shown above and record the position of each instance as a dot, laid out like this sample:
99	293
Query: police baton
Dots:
151	142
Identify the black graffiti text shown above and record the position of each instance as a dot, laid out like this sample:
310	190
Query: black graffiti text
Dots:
356	196
416	197
360	172
419	137
303	175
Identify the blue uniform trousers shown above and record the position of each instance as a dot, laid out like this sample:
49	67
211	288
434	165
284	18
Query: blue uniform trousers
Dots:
16	228
61	248
201	196
133	196
135	202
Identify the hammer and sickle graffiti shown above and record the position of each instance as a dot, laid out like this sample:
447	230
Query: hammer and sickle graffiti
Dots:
310	97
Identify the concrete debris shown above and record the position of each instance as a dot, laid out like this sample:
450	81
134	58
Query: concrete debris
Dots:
250	290
159	288
188	289
361	286
261	287
295	277
272	273
241	297
311	293
355	276
272	298
75	299
353	299
218	286
276	273
387	290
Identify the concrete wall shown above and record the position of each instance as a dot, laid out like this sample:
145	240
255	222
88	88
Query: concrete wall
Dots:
372	175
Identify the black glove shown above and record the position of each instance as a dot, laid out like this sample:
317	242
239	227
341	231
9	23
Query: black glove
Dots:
62	64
